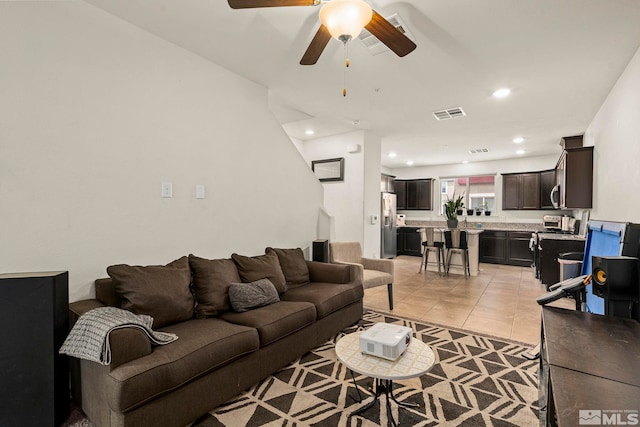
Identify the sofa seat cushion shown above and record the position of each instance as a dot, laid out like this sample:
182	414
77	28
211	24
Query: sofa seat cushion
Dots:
373	278
203	345
326	297
275	321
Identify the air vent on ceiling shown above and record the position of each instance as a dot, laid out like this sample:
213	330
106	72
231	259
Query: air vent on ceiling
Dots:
374	45
478	150
450	113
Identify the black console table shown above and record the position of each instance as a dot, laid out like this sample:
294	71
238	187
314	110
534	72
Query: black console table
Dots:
589	363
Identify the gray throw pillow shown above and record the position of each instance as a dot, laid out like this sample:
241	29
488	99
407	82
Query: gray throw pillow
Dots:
246	296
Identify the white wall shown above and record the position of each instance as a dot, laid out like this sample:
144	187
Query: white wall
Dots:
95	114
615	135
496	167
344	200
371	191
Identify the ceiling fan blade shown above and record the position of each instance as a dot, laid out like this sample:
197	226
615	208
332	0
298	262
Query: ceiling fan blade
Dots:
384	31
248	4
316	46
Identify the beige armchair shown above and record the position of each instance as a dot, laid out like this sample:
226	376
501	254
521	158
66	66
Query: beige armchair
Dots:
373	272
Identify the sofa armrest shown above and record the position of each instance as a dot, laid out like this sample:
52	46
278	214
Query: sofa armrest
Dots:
78	308
333	273
385	265
126	344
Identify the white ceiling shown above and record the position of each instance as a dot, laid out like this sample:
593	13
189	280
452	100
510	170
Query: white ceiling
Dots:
560	58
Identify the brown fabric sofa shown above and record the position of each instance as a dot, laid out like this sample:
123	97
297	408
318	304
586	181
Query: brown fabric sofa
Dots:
216	355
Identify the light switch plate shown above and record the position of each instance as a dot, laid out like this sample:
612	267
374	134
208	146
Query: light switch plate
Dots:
199	191
167	189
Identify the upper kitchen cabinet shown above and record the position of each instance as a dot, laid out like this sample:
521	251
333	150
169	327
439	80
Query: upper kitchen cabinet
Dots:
574	178
521	191
414	194
547	182
387	183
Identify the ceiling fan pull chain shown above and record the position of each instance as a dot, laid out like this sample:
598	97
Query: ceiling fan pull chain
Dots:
346	65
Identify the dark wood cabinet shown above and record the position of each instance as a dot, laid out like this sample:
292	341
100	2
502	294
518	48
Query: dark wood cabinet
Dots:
401	194
547	182
409	241
387	183
493	246
518	252
414	194
506	247
550	249
34	316
521	191
574	176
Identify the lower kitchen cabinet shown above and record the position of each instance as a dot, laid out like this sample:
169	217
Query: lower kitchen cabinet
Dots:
506	247
549	251
493	246
409	241
519	252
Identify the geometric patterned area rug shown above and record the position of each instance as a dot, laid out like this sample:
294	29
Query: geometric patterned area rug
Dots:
477	381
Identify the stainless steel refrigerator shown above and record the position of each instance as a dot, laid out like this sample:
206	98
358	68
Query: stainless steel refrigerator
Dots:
388	233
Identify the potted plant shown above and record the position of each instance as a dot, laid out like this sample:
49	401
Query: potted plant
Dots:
470	212
485	205
451	207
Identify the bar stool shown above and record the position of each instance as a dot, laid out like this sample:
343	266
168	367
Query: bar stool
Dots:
456	242
430	245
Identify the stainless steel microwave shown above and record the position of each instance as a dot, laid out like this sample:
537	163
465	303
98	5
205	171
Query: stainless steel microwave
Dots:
555	196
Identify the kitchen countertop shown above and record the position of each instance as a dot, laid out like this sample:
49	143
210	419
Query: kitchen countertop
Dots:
473	225
560	236
440	229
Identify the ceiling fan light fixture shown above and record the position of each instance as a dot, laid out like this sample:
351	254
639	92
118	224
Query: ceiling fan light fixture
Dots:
345	19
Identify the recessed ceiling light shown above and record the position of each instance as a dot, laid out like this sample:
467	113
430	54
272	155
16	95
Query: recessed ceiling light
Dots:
309	132
520	152
518	140
392	154
410	163
464	162
502	93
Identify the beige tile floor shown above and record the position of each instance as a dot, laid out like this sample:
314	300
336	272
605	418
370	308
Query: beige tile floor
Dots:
500	301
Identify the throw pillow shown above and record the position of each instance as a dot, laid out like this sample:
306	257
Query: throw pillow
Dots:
245	296
294	267
161	292
261	267
211	280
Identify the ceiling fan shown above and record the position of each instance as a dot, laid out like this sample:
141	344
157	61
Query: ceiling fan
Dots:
342	19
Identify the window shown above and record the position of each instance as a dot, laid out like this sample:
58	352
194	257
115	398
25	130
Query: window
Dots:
479	191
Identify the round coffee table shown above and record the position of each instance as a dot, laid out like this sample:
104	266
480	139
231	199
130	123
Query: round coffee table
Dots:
417	360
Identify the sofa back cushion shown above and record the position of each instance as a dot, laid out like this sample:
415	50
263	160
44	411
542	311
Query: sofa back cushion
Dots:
261	267
211	280
294	266
247	296
161	292
106	293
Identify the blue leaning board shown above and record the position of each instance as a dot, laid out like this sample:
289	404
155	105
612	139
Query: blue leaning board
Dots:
605	238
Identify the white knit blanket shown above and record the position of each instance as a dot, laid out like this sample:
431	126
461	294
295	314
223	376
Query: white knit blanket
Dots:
89	337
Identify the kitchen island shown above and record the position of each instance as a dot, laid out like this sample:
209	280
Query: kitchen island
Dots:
507	243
